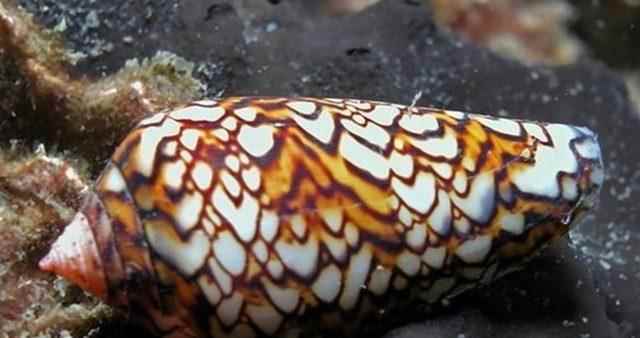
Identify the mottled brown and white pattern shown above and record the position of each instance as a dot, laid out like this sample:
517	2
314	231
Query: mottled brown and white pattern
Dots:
238	217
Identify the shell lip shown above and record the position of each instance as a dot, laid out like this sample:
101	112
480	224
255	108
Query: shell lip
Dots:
74	256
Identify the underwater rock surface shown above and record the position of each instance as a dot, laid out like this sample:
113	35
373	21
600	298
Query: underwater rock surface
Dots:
393	51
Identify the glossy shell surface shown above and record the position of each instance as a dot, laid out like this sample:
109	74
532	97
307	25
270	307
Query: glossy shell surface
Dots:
241	216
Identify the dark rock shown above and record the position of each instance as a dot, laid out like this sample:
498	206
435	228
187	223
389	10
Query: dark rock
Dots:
392	51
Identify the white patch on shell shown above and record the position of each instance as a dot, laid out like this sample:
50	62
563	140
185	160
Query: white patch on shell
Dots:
409	263
269	223
260	251
210	289
302	107
435	256
420	195
372	133
442	169
202	175
112	180
221	134
445	146
192	253
588	148
363	157
460	181
440	217
286	299
265	317
513	223
187	212
224	280
230	123
155	118
257	141
383	114
300	258
243	218
170	148
535	130
569	188
401	164
230	253
417	236
328	284
321	128
351	234
232	162
198	114
147	148
275	268
251	178
230	183
379	281
229	309
455	114
475	250
189	138
298	225
355	278
247	113
338	248
333	218
418	123
480	201
502	126
541	178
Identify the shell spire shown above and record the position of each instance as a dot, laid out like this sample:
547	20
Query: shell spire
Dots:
74	256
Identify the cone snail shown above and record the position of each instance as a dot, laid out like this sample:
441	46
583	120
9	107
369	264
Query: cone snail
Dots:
250	216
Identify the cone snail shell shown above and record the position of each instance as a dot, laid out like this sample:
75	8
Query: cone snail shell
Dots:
246	216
